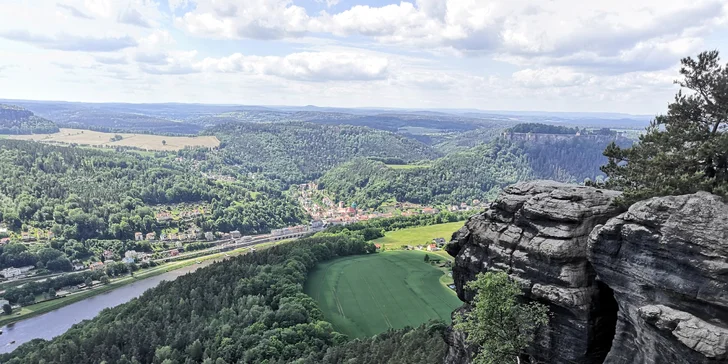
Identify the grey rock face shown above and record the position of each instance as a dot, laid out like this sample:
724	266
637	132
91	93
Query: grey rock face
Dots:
537	232
667	261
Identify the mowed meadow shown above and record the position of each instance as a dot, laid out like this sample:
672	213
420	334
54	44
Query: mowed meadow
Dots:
111	140
366	295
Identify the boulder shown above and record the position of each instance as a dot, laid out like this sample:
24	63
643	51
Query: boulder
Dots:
666	259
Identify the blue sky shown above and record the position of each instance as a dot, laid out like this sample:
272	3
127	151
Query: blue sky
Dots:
558	55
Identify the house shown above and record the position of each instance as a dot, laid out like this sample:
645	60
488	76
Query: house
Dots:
226	236
209	235
235	234
130	254
11	272
430	211
453	208
127	260
96	266
151	236
108	254
109	262
162	236
432	248
163	216
4	241
50	235
378	246
439	241
174	252
419	247
476	202
25	236
178	244
78	266
138	236
172	236
317	224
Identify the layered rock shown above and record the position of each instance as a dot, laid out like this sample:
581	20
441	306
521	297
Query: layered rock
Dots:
667	261
537	232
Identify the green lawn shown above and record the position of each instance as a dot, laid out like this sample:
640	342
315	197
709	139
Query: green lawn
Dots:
365	295
419	236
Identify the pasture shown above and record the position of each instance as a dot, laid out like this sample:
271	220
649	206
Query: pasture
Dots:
106	140
418	235
365	295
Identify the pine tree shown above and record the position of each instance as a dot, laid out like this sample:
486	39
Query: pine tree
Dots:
686	150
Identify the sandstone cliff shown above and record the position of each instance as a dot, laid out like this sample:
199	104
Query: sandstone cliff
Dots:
549	236
667	261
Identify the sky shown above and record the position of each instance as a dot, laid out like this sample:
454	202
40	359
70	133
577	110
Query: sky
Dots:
546	55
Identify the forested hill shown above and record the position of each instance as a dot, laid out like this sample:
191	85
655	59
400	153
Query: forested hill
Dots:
296	152
477	173
82	193
16	120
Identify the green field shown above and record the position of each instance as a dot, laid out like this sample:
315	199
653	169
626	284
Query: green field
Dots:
407	166
418	235
366	295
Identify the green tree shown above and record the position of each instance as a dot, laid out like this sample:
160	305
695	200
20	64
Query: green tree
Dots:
427	258
51	292
686	150
7	309
498	323
105	279
196	350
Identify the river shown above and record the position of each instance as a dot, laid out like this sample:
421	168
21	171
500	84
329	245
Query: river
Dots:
54	323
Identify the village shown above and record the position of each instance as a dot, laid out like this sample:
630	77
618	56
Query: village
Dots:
323	210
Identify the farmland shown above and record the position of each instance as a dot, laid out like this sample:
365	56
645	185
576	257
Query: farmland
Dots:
111	140
365	295
418	235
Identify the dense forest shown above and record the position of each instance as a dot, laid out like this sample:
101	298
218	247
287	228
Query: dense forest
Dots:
82	194
477	173
249	309
297	152
16	120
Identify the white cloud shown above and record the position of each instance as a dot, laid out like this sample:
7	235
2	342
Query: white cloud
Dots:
303	66
555	32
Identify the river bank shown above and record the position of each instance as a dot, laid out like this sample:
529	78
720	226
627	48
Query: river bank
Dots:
48	306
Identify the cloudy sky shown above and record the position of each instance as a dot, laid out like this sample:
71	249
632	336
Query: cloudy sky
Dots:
550	55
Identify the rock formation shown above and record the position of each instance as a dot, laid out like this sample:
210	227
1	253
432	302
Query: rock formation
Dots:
537	232
667	261
656	274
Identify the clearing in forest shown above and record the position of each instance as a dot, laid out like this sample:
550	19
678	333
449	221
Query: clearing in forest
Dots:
366	295
111	140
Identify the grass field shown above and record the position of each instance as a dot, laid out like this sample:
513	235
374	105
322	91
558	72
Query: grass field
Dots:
407	166
365	295
418	235
143	141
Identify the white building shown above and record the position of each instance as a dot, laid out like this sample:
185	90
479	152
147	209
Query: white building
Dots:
11	272
209	235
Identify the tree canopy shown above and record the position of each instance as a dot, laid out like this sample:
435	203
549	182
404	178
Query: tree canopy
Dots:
498	324
685	150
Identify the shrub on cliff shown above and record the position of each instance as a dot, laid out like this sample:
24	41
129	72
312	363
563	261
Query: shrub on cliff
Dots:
498	324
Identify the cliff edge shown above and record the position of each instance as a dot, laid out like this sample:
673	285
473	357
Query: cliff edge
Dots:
619	285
